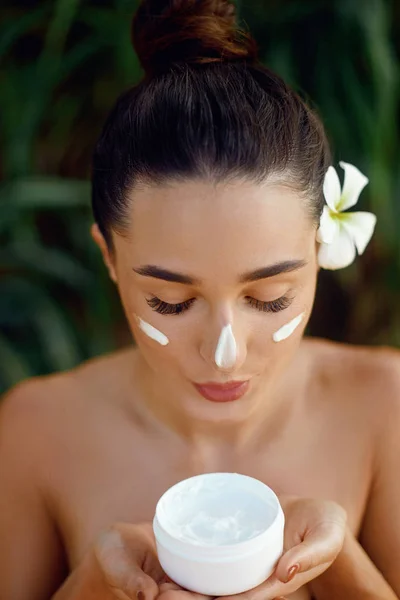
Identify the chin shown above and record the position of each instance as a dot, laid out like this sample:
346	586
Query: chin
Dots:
201	409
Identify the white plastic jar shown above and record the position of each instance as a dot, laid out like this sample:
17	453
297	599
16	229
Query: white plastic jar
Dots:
219	534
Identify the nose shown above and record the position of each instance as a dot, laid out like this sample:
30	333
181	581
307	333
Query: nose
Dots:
223	350
226	351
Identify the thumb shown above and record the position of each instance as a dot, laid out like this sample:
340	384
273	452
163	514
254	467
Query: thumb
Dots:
121	570
319	548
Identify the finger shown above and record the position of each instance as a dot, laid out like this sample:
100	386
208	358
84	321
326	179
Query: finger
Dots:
302	563
320	546
172	591
271	589
130	583
140	542
122	572
145	553
274	588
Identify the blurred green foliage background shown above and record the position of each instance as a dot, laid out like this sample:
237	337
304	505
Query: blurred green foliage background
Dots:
62	65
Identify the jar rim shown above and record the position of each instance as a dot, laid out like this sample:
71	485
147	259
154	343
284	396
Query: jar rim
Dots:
165	534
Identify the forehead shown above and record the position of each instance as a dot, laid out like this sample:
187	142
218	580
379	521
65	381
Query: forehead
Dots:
236	226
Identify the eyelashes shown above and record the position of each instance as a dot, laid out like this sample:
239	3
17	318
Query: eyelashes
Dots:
273	306
164	308
169	309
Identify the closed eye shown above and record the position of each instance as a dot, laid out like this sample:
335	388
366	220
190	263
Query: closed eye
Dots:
272	306
165	308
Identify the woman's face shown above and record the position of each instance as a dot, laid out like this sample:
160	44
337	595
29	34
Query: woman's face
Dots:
199	257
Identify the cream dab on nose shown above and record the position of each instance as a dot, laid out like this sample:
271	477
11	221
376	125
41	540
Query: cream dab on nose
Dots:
284	332
226	351
152	332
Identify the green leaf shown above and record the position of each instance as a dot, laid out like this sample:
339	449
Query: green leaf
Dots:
55	335
55	338
79	54
17	26
47	77
51	262
38	192
13	367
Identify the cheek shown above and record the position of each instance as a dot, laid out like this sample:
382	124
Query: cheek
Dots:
152	332
166	342
275	335
289	329
278	335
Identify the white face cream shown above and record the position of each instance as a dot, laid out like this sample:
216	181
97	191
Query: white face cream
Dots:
284	332
152	332
225	354
205	511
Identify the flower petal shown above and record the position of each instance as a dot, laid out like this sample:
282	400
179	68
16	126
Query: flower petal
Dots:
339	254
354	183
360	226
332	191
328	226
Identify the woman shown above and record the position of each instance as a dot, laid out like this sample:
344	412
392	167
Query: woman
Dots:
208	184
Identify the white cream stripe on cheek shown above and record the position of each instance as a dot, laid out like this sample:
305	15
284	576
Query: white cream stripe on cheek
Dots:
225	354
152	332
287	330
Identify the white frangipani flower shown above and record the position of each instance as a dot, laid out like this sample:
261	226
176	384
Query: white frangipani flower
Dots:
340	233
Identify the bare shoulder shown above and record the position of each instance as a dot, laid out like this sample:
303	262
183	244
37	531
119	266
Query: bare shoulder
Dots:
361	377
48	427
42	410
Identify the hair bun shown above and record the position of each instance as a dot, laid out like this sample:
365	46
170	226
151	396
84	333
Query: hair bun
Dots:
165	32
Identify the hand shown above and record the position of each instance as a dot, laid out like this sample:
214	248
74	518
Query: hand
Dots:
353	575
124	563
314	536
126	555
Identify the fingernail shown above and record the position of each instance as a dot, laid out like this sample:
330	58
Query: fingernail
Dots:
292	572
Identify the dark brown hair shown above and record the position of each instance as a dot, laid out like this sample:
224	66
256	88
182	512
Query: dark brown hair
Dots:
205	108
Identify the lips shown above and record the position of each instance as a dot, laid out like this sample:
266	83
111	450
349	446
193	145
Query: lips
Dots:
223	392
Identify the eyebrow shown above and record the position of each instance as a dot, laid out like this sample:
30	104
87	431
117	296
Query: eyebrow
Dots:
287	266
